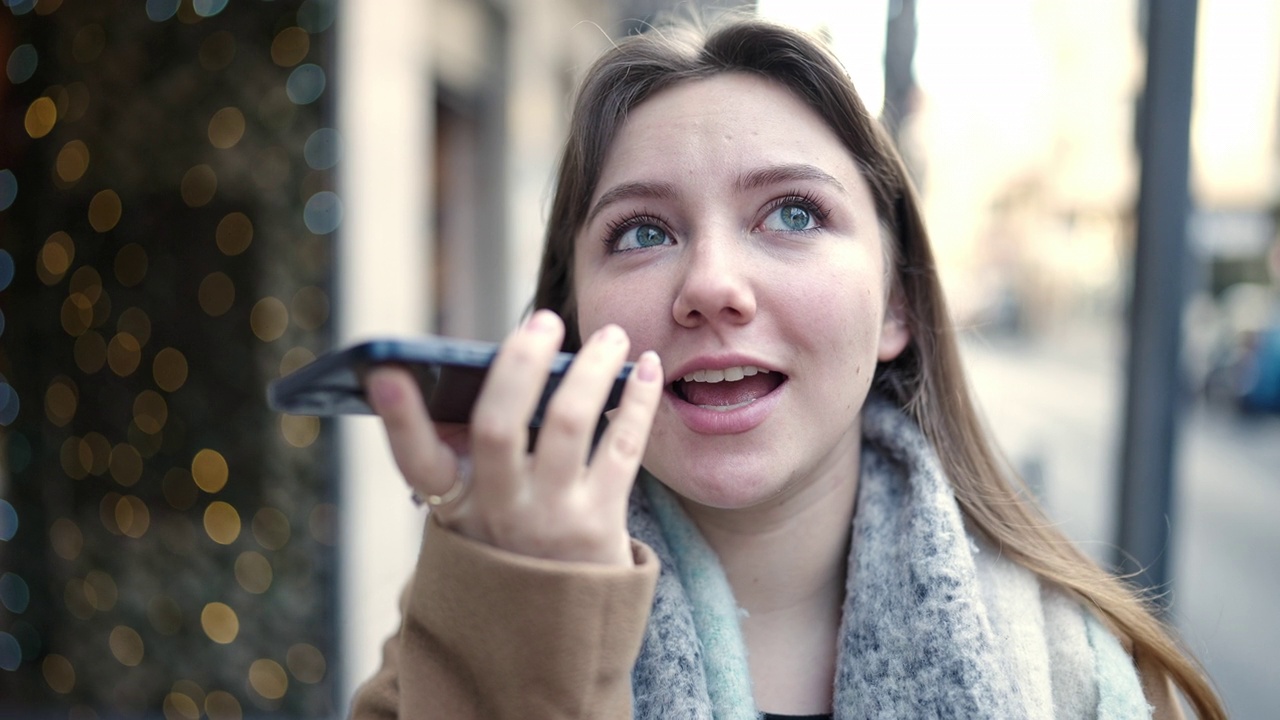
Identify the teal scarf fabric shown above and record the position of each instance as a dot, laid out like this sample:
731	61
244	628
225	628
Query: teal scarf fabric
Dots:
934	624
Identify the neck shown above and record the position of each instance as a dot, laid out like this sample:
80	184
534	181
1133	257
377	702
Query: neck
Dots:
786	561
792	549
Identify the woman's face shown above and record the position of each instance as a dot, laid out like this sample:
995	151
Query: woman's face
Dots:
732	233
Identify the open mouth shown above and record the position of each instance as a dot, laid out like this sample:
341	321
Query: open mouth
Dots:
727	389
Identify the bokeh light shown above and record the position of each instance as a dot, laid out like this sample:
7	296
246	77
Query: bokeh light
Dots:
217	294
220	623
60	400
253	572
268	679
180	706
235	232
14	593
208	8
300	431
226	128
150	411
271	528
161	10
316	16
222	705
105	592
323	212
209	470
169	369
66	539
58	673
72	161
10	652
290	46
123	354
107	512
295	358
310	308
305	85
191	690
22	64
8	521
87	282
323	523
132	516
40	118
131	540
126	464
221	522
70	457
78	597
77	101
104	210
199	185
95	453
269	319
126	645
323	149
8	188
9	404
56	256
306	662
135	321
6	269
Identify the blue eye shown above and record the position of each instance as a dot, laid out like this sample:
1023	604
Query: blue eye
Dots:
791	218
641	236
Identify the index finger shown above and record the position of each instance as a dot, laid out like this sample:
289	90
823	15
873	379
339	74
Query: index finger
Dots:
508	399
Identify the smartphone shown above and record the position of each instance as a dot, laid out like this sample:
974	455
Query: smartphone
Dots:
449	371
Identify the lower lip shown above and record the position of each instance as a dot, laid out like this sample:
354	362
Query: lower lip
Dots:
724	422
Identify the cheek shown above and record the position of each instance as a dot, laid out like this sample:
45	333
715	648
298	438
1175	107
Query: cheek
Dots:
634	309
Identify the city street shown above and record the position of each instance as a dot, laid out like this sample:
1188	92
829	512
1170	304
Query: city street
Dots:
1055	405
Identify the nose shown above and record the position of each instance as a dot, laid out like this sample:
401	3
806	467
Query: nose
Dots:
715	284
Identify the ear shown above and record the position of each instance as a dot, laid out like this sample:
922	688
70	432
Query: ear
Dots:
895	332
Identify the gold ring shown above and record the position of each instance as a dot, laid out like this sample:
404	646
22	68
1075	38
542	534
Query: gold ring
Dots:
461	481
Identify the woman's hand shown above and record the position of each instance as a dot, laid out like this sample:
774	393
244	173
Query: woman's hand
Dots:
552	503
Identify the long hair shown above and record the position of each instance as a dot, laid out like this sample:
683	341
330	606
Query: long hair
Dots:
926	380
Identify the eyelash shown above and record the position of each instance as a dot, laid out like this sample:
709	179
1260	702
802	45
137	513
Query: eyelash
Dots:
616	228
806	200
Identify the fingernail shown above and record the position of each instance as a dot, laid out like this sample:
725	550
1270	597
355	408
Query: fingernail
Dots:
542	321
649	367
612	334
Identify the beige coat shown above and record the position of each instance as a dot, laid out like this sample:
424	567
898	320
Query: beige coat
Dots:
490	635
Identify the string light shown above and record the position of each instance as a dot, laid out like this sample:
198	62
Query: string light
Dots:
128	372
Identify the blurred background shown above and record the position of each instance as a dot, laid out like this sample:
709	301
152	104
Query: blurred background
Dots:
198	196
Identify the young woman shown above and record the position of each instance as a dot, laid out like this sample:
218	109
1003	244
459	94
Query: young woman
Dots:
795	510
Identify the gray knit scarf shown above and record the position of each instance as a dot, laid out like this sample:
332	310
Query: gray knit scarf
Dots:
934	625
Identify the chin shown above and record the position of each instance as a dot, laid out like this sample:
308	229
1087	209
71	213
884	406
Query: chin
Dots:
725	487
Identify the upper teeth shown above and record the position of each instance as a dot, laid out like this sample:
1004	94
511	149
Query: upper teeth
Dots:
731	374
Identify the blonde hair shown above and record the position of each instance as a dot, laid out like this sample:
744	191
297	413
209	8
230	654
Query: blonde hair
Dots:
926	380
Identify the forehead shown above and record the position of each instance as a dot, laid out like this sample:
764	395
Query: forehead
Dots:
726	122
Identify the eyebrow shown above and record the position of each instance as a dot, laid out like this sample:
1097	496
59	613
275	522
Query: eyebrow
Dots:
778	174
762	177
631	191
